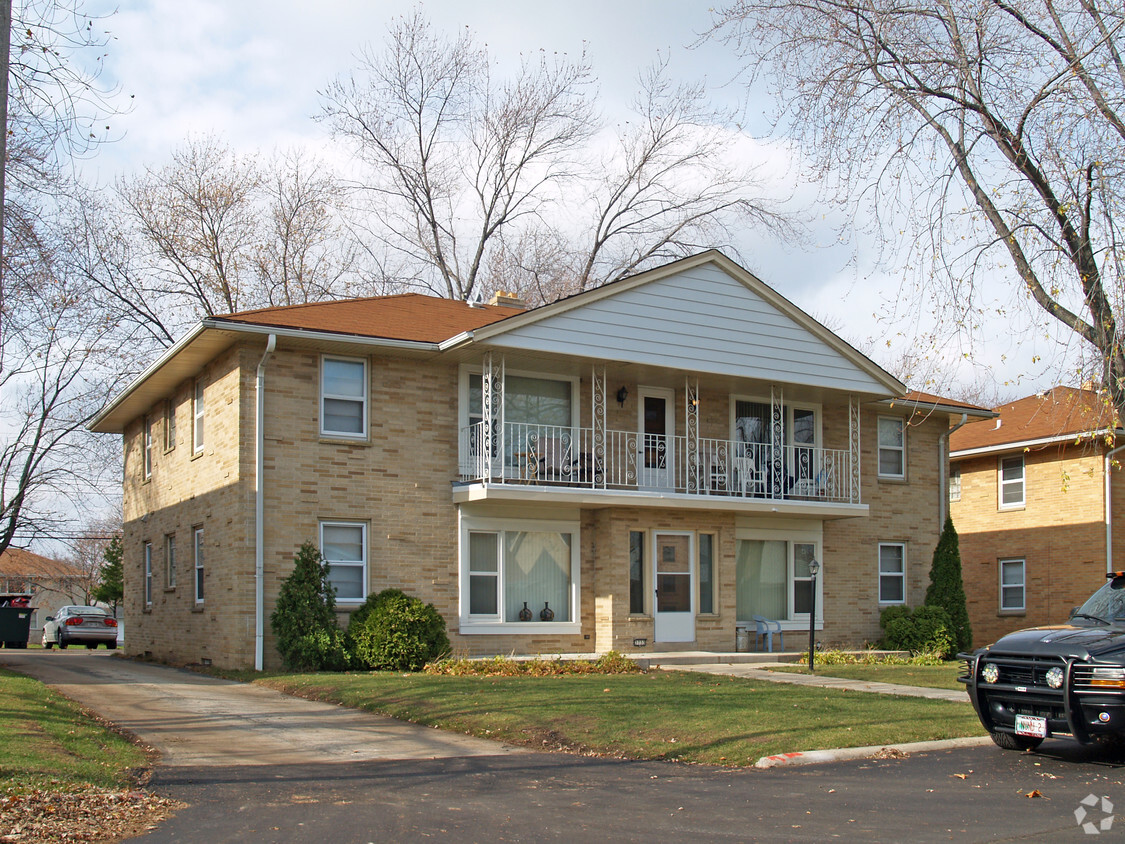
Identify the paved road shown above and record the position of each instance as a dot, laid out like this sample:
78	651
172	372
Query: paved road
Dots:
457	792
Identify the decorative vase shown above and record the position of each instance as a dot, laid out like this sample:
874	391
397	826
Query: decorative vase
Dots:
525	613
547	614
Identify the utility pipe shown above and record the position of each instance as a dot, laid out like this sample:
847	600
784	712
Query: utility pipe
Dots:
259	508
1109	508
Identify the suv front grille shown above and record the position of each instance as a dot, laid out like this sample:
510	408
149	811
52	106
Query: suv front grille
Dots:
1023	671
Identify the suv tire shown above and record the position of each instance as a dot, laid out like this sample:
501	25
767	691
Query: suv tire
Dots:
1010	741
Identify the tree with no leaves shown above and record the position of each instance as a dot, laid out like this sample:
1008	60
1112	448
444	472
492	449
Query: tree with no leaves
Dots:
996	126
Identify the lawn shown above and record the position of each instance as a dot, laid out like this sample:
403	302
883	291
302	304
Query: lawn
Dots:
46	741
932	676
659	715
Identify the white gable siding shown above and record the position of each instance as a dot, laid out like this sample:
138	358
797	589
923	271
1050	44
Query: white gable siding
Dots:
700	320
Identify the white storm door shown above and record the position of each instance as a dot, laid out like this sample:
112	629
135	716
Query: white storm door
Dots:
674	566
655	460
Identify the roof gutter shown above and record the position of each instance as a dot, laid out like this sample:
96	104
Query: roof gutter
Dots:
943	470
323	336
259	508
1109	508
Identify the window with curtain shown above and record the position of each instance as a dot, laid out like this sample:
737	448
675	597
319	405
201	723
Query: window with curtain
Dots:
762	579
508	569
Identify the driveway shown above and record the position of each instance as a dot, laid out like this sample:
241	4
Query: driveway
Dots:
195	720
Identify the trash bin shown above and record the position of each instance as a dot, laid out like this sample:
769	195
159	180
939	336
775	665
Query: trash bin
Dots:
15	625
741	638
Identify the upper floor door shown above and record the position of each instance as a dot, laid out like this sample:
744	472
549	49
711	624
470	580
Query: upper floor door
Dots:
655	440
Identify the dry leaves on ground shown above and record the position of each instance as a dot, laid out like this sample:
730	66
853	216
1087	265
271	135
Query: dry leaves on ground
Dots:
85	815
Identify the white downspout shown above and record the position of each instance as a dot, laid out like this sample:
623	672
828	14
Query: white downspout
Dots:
943	466
259	509
1109	508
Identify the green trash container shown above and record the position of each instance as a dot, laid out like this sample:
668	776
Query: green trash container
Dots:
15	621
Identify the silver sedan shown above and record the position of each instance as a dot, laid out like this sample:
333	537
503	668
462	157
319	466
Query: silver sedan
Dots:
73	625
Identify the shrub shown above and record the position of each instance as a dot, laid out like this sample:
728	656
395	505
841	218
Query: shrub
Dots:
925	630
947	589
304	620
498	666
397	633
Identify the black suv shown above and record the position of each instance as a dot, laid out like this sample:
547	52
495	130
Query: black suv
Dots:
1063	680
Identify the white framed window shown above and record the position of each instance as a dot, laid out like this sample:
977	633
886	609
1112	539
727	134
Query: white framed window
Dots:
707	580
148	574
169	425
343	397
955	482
344	548
892	446
519	576
1012	583
197	555
892	573
1011	481
772	577
148	446
170	561
197	414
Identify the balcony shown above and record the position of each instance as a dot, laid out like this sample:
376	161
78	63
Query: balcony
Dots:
544	458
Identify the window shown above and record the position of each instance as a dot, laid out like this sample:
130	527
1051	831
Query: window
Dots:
170	561
892	447
197	417
518	572
148	447
148	574
1011	481
954	483
1011	585
169	425
772	578
637	591
538	414
197	549
344	546
706	573
343	397
892	573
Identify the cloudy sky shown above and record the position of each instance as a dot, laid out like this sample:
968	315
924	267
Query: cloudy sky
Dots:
250	71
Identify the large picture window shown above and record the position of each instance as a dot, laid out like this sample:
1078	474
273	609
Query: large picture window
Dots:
1011	481
343	397
513	570
892	447
344	547
772	578
892	573
539	415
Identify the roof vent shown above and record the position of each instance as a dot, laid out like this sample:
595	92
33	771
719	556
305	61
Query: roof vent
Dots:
999	422
506	299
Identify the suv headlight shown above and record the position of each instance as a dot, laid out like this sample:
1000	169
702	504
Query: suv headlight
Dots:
1108	678
1055	678
990	673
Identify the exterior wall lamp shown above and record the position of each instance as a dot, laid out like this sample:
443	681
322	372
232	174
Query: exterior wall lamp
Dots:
622	394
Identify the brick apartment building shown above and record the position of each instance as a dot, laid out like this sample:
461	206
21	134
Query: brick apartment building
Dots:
641	467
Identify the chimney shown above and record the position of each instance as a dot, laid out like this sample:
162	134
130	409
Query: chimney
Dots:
506	299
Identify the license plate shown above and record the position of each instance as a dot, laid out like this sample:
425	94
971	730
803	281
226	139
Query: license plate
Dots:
1031	725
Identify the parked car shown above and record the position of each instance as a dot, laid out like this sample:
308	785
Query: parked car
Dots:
73	625
1068	679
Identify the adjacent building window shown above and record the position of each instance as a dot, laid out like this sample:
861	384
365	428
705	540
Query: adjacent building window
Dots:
197	551
344	547
954	483
148	446
706	573
637	591
892	447
148	574
1011	481
343	397
507	567
772	579
197	417
1012	573
169	425
892	573
170	561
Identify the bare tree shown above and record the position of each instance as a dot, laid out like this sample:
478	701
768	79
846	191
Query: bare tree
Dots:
996	127
87	553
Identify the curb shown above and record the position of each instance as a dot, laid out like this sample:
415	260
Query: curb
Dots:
816	757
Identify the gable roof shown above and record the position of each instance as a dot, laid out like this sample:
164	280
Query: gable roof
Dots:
19	562
1060	414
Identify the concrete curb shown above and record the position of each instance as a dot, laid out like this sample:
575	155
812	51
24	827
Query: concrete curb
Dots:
816	757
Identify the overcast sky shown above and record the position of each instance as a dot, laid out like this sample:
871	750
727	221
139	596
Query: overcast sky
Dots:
250	71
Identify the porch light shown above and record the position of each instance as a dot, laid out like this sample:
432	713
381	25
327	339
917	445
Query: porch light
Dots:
622	394
814	570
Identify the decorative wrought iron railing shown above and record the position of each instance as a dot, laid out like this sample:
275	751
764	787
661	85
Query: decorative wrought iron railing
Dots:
626	460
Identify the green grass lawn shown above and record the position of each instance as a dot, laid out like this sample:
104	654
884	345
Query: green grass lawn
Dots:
46	741
931	676
659	715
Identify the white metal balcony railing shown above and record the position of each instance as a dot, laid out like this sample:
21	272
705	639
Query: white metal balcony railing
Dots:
562	456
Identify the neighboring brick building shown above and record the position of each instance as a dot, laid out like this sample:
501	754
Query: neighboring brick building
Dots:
50	583
1037	501
650	463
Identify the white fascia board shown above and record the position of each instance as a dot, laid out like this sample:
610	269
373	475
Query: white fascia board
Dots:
322	336
926	407
1025	444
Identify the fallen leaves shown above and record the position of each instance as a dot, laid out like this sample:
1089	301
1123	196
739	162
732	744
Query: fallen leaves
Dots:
83	815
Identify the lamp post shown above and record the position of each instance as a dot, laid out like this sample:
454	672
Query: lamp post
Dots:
814	570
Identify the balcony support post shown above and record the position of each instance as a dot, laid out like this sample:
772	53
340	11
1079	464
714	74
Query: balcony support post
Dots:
492	401
691	428
597	411
853	446
777	443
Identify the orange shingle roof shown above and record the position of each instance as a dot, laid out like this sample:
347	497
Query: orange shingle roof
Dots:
408	316
1060	412
19	562
918	397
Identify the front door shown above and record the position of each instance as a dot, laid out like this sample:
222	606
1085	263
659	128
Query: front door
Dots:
674	567
655	459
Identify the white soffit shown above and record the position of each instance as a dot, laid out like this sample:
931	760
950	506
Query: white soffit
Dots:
699	319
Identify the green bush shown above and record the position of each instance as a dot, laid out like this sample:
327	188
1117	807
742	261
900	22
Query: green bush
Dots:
397	633
304	621
946	588
926	630
499	666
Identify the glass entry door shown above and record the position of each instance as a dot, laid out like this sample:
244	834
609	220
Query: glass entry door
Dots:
656	425
675	576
